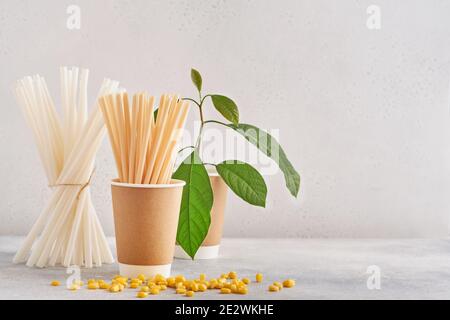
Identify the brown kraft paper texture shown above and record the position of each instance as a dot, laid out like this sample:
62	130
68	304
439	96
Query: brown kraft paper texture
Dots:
145	221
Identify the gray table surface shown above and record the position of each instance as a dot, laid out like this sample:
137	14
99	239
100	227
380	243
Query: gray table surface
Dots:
323	269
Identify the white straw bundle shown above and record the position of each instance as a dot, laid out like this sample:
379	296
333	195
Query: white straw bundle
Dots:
68	230
144	149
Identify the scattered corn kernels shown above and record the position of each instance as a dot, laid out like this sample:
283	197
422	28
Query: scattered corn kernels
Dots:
163	287
289	283
259	277
114	288
234	288
142	294
190	293
141	277
180	291
145	289
158	278
105	285
232	275
134	285
202	287
154	290
78	283
202	277
246	280
274	288
278	284
73	287
55	283
93	285
180	285
243	290
180	278
171	282
225	291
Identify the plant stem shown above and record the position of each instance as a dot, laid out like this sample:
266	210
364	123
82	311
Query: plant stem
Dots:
215	121
192	100
187	147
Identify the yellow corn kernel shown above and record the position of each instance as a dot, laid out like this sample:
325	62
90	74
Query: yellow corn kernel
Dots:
93	285
104	285
117	276
163	282
274	288
289	283
145	289
190	293
202	277
73	287
154	290
141	294
135	280
246	280
232	275
180	285
180	291
121	286
242	290
187	284
219	285
114	288
163	287
234	288
141	277
259	277
91	281
278	284
123	281
55	283
224	276
134	285
159	277
225	291
180	278
171	282
78	283
151	284
222	280
227	285
194	286
202	287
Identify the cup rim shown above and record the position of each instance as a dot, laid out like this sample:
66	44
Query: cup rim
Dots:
175	183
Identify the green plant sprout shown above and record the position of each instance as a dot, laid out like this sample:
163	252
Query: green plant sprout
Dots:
243	179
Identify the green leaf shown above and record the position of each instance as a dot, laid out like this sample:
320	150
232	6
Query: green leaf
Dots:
245	181
196	79
196	204
226	107
271	148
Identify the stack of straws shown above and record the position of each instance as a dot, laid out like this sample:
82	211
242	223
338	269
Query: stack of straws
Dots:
144	148
68	230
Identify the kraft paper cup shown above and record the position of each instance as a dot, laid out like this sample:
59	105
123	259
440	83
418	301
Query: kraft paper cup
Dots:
211	245
146	221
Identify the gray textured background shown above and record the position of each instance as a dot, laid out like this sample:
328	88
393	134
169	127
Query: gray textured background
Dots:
363	115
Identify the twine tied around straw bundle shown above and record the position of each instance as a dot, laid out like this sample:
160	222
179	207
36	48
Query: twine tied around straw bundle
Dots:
82	185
